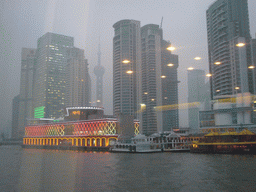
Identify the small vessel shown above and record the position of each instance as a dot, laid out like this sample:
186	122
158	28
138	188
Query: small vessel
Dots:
171	141
229	142
138	144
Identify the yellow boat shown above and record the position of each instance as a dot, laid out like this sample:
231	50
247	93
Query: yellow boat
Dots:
228	142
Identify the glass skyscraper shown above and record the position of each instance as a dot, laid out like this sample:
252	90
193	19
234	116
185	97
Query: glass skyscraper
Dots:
25	109
145	81
50	77
126	66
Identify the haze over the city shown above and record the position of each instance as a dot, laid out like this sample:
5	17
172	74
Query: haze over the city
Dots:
23	22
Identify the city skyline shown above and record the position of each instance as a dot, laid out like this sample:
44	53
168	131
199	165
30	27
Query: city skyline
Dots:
172	27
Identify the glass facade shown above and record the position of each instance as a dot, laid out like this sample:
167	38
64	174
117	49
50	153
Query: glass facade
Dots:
51	60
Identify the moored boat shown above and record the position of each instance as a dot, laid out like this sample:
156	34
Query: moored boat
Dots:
138	144
228	142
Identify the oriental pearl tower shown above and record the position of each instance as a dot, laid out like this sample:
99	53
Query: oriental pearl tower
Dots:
99	72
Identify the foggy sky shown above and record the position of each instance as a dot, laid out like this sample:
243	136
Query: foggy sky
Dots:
22	22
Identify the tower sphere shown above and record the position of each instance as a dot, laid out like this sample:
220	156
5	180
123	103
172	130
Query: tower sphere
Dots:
99	70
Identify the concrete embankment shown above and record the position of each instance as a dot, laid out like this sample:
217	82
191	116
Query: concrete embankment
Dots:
11	143
62	147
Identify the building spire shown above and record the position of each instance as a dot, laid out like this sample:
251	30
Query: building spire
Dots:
99	72
99	53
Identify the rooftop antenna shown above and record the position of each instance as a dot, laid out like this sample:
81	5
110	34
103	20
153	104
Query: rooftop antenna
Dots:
161	22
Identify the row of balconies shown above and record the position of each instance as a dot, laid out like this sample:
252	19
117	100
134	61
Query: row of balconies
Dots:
223	81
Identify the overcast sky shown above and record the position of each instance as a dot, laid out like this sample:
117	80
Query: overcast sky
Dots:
22	22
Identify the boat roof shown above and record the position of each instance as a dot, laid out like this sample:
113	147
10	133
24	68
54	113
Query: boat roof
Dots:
139	136
173	135
212	134
229	133
155	135
246	132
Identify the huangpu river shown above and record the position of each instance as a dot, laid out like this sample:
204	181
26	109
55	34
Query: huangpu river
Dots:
60	170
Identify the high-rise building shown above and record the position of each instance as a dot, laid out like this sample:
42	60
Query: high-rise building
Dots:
50	76
26	89
229	47
99	72
15	117
231	65
77	79
196	82
198	96
169	66
159	82
254	57
126	66
145	76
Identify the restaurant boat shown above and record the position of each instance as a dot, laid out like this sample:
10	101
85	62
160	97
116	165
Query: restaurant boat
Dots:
137	144
171	142
229	142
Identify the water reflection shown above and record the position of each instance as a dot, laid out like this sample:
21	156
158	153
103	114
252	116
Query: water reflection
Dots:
52	170
48	170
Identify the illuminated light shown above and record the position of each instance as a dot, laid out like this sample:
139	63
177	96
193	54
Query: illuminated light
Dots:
146	93
240	44
165	98
39	112
177	106
237	88
142	105
208	75
163	76
129	72
170	48
251	67
190	68
125	61
170	65
217	63
217	90
152	99
197	58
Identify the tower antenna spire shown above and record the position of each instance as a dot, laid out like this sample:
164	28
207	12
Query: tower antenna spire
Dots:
161	22
99	53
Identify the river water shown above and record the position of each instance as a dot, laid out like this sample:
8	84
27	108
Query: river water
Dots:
59	170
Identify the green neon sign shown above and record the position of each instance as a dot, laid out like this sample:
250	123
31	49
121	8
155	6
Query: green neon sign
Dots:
39	112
